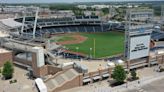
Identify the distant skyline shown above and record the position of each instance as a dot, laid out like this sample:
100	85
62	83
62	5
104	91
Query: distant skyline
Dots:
64	1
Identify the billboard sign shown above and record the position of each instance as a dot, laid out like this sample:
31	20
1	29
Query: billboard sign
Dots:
139	46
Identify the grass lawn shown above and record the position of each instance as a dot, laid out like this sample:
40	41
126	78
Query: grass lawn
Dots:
106	44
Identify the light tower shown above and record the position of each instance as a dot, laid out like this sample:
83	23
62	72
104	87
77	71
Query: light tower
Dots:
35	22
23	21
162	17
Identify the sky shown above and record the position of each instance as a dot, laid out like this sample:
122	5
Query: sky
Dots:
61	1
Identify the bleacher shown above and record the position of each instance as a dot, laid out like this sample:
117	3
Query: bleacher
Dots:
65	25
157	35
98	29
81	29
89	28
58	30
68	29
73	29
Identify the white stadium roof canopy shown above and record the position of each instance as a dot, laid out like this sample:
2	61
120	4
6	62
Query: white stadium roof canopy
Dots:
10	22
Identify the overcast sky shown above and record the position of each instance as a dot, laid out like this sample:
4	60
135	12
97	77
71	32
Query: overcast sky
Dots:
62	1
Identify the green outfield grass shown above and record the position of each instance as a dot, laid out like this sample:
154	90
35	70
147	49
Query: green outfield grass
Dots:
106	44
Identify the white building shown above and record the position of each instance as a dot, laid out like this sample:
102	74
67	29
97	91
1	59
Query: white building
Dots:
88	13
100	6
82	6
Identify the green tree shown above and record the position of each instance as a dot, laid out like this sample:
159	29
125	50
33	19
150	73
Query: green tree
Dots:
133	74
8	70
119	74
93	14
105	10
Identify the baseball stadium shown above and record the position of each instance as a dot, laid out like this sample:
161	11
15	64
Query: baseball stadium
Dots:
67	52
86	36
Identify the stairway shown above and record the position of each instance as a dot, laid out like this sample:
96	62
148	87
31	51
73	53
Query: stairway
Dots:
61	79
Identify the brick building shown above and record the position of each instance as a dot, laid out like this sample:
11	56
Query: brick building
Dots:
5	55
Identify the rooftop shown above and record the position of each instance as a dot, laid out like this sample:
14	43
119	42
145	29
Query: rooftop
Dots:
2	34
92	65
2	50
10	22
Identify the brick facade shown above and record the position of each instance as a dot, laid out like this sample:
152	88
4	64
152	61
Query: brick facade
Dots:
7	56
69	84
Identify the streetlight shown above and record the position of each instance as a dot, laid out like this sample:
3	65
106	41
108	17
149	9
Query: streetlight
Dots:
77	52
64	52
127	80
138	73
67	53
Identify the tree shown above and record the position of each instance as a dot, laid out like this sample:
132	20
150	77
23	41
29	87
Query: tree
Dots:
105	10
119	74
134	74
8	70
93	14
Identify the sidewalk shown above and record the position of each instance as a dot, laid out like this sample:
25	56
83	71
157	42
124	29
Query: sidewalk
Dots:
135	85
148	76
23	84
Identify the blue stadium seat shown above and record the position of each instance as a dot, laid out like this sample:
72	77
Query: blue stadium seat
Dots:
89	28
73	29
98	29
157	35
81	29
105	27
58	30
51	30
94	17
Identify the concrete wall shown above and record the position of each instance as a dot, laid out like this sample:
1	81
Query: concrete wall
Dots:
76	82
23	61
53	70
160	59
48	70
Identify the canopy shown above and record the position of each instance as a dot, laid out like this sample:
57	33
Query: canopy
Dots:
10	22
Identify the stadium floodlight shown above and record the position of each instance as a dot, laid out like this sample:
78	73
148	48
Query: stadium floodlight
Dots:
23	21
